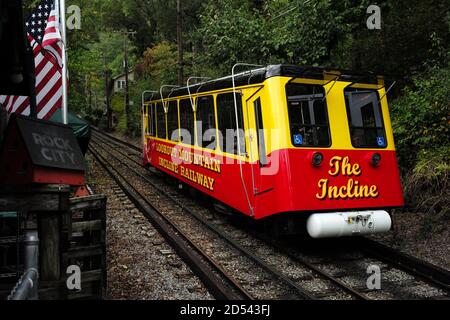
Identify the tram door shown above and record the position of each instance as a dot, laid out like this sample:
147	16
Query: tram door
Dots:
150	130
262	178
144	125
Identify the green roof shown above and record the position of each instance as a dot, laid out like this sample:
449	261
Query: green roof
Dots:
80	126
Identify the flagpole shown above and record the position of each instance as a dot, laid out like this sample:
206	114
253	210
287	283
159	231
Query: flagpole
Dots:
62	15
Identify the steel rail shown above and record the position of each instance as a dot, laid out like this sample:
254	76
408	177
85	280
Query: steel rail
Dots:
282	248
422	269
128	144
127	155
196	258
269	268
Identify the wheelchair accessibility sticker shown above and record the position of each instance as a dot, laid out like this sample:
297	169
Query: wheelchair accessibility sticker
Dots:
381	142
298	139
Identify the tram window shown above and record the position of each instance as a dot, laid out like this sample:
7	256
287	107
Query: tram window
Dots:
260	133
172	121
205	122
146	116
308	115
161	121
365	118
227	123
151	119
187	121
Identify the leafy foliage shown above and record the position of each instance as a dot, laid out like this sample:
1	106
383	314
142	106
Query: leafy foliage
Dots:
160	63
229	32
421	121
427	185
421	116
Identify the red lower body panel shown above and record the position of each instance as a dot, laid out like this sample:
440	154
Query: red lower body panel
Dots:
345	180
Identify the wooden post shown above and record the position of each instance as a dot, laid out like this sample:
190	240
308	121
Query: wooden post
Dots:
107	95
180	42
50	245
44	207
127	88
127	70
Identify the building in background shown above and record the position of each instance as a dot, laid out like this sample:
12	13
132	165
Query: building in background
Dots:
119	81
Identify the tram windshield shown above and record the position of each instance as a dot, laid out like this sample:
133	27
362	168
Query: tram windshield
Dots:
365	118
308	115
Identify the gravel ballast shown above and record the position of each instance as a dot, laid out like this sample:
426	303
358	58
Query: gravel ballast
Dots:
141	265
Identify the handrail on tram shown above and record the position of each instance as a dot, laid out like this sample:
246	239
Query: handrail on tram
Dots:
189	89
161	93
387	91
143	106
237	125
143	96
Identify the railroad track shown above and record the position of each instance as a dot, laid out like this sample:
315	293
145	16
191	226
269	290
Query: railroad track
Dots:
155	216
222	285
430	274
269	268
425	270
117	140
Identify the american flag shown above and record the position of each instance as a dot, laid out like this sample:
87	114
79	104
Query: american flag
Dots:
44	35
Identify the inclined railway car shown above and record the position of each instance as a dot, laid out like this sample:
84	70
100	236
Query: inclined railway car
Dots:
302	148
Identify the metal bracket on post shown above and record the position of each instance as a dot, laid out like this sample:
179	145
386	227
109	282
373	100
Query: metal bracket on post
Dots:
143	96
170	94
166	109
387	91
237	126
199	87
329	90
189	89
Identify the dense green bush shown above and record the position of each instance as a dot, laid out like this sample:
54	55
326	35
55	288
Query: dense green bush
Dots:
421	121
421	117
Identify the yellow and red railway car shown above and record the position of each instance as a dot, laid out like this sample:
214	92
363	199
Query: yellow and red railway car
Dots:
283	143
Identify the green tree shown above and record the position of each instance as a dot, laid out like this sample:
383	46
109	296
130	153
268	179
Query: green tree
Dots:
228	32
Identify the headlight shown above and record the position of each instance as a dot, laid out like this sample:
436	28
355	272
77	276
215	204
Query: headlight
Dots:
317	159
376	158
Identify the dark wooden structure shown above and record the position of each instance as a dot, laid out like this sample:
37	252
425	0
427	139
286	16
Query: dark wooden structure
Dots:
86	245
71	232
41	208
